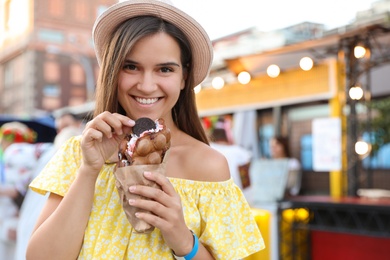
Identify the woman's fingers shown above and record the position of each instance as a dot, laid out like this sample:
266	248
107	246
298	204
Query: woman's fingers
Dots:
120	124
163	208
149	205
101	138
161	180
93	134
159	199
108	124
160	210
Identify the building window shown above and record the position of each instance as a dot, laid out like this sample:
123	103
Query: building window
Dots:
51	71
51	36
76	101
51	103
8	75
2	80
81	10
56	7
77	74
14	71
51	90
19	68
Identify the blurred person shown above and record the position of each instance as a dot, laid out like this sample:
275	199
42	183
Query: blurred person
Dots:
33	202
67	119
238	158
279	149
19	159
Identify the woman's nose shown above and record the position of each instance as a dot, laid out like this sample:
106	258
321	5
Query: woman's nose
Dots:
147	82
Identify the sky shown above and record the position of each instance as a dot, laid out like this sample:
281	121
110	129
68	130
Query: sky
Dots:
224	17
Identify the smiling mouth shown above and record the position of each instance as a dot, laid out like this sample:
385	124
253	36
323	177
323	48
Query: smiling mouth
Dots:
146	101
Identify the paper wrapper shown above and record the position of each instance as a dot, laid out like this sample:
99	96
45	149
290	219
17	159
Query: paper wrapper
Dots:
134	175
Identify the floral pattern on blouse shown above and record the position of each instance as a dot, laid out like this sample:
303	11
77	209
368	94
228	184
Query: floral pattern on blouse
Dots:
216	211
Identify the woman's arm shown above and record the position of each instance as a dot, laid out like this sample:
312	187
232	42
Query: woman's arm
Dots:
60	228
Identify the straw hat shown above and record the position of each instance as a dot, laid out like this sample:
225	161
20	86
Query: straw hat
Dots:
202	50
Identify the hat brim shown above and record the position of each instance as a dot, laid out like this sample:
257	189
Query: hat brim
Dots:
202	50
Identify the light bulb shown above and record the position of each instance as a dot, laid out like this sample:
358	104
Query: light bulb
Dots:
356	93
218	83
359	52
362	148
273	71
244	77
306	63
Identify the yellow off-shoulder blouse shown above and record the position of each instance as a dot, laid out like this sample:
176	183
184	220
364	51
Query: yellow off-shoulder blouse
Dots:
216	211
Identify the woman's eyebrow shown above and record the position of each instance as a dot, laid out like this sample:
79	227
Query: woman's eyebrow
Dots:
130	61
169	64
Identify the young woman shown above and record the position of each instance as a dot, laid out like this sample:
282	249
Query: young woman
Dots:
151	55
279	147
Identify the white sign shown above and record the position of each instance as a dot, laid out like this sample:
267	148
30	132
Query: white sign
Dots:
326	144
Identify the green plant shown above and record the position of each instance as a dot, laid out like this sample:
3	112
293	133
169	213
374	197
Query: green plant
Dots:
380	122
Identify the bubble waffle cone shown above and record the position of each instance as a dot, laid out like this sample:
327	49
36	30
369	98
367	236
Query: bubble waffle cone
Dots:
146	150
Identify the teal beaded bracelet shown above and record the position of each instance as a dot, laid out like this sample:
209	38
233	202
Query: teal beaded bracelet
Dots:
193	251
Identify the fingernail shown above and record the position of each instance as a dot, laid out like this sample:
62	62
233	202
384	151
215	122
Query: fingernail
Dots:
131	201
137	215
148	174
132	188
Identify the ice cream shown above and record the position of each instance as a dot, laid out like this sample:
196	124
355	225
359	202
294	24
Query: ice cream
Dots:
145	149
147	144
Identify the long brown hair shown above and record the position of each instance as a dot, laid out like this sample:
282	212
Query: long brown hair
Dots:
184	112
284	142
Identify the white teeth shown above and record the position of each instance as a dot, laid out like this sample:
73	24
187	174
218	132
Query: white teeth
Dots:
146	101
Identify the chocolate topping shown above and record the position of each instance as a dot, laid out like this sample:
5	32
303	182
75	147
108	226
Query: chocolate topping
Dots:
148	149
143	124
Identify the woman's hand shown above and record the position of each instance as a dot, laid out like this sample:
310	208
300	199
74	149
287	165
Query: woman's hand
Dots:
166	212
101	138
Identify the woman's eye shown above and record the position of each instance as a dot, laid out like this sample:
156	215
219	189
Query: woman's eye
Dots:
129	67
166	69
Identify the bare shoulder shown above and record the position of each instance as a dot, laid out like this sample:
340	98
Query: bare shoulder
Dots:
214	166
198	161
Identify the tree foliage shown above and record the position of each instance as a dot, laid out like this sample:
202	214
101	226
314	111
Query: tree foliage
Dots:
380	123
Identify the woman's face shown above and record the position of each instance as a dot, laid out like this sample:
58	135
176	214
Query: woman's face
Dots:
151	78
276	149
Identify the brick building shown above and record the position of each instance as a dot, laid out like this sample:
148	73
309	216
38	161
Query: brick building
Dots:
46	54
